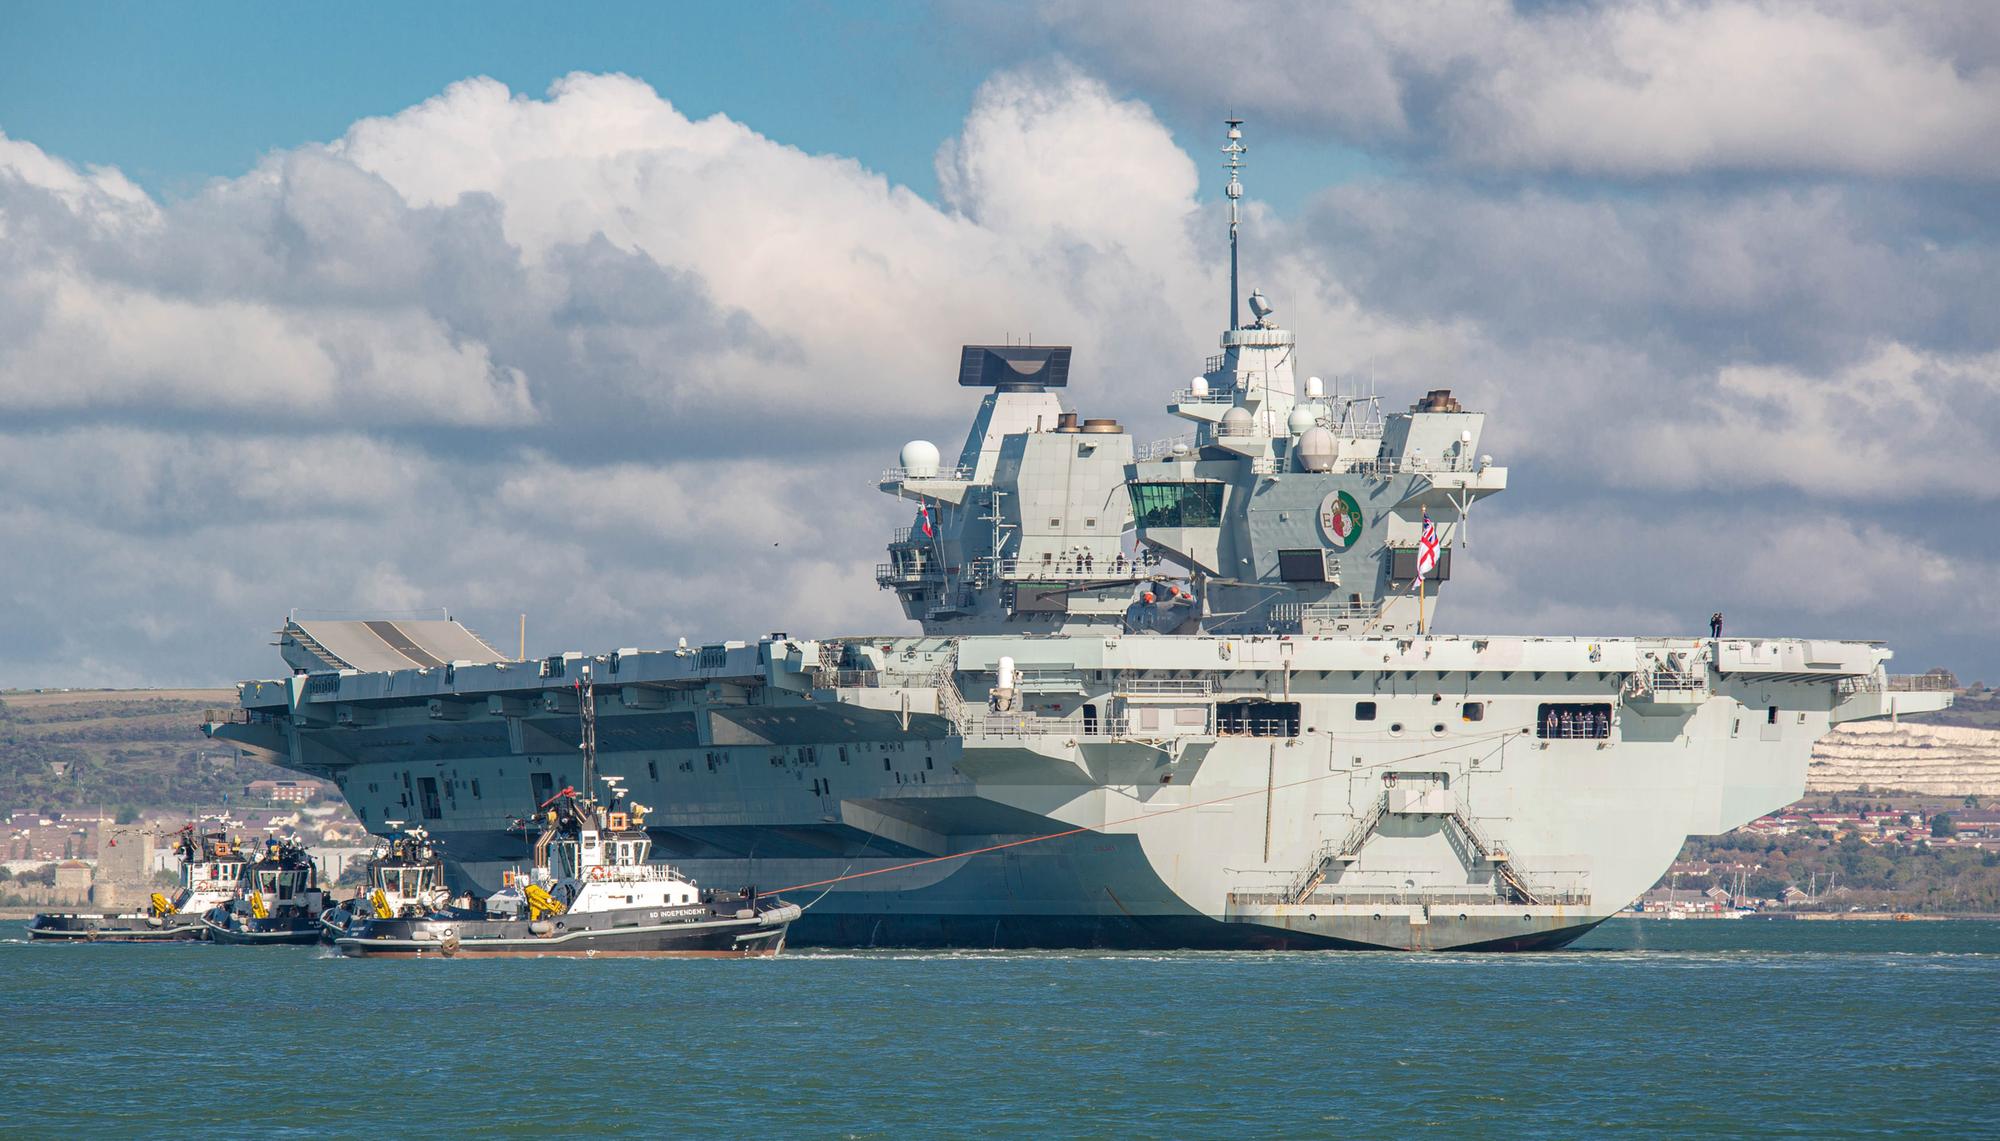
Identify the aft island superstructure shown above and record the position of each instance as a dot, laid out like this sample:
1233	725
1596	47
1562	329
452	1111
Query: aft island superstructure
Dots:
1205	666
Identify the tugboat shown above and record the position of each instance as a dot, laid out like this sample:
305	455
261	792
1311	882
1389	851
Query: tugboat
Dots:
280	900
406	881
591	891
211	869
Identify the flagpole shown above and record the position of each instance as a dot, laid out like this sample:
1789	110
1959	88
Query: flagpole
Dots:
1420	602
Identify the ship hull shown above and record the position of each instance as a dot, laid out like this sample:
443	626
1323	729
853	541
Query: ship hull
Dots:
253	932
1136	792
1148	933
85	928
634	933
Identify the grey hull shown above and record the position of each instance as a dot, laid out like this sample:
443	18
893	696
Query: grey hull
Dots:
116	929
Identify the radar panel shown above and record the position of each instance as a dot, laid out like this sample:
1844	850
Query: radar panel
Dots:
1015	367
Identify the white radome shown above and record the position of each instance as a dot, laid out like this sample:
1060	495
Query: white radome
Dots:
920	459
1317	449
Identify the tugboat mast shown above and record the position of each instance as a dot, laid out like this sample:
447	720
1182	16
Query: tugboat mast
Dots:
586	707
1233	163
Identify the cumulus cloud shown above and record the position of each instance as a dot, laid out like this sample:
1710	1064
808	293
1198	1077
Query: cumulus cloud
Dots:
579	355
1594	567
1831	339
1897	424
1635	90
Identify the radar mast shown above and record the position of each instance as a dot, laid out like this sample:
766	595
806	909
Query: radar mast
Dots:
1233	163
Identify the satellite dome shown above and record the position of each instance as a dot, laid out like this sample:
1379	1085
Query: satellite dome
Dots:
1199	386
1315	388
1317	449
1302	419
920	459
1238	422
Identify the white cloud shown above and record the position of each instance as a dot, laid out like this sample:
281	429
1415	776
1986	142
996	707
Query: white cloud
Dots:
1616	566
1901	423
1638	89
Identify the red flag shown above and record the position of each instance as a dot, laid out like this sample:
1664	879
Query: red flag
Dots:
924	517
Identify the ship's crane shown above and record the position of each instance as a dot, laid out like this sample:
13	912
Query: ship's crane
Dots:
540	902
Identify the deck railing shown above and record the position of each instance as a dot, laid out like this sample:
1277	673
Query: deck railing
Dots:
902	475
1161	449
1165	686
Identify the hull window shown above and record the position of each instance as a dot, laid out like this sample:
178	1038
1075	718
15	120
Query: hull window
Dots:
1573	722
1257	718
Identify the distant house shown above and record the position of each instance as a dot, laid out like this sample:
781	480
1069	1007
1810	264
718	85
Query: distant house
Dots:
1792	895
72	882
282	791
1718	896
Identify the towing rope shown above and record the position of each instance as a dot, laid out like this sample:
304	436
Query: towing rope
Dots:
1501	735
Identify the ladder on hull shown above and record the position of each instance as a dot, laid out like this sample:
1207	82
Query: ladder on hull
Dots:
1480	849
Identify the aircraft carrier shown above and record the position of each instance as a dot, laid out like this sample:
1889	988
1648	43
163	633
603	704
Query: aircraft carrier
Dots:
1175	694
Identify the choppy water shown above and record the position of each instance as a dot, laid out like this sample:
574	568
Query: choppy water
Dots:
1716	1029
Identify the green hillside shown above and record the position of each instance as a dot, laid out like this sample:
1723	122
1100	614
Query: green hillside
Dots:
65	751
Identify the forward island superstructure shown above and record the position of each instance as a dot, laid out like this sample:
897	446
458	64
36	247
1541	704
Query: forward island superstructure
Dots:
1206	666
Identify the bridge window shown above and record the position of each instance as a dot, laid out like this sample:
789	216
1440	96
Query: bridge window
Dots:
1473	711
1403	565
1257	718
1307	564
1364	711
1176	504
1573	721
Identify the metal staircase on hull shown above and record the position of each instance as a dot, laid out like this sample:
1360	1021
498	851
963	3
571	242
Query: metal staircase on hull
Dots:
1474	847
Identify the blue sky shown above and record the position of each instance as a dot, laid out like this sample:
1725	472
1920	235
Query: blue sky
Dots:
174	95
296	310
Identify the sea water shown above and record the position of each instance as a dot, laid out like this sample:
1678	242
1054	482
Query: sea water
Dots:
1644	1028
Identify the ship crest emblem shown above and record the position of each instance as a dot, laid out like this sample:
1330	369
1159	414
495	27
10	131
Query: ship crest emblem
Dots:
1340	519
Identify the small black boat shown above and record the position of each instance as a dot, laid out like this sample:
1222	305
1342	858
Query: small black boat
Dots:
211	870
280	900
